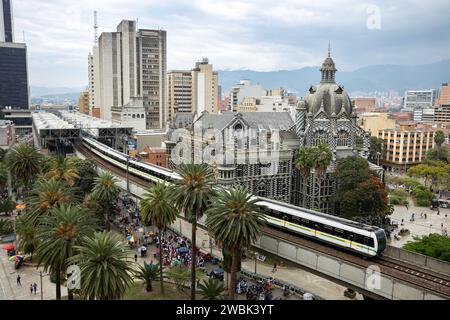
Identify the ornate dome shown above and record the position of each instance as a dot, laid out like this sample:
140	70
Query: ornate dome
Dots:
328	95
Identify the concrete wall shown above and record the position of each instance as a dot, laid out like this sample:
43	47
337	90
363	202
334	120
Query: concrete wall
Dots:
418	259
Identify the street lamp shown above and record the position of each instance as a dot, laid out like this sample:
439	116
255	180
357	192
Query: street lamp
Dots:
256	258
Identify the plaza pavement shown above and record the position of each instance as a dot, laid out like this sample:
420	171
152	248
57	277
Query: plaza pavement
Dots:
420	226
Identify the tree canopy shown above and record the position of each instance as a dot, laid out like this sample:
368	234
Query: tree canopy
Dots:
433	245
360	193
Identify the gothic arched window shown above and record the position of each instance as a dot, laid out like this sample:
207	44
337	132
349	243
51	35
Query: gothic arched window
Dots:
320	137
343	138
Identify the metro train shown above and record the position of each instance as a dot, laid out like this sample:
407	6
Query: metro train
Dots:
363	239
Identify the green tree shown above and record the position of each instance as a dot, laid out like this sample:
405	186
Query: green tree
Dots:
191	196
62	168
350	172
105	192
439	138
149	273
157	209
360	193
106	266
309	158
369	200
212	289
422	196
24	163
86	171
375	147
236	221
26	232
7	206
45	195
6	227
433	245
57	235
443	154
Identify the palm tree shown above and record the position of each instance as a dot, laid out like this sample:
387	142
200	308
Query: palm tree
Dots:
323	158
236	221
211	289
304	162
439	138
149	273
27	235
62	168
57	234
106	266
105	192
157	209
308	158
191	195
24	163
45	195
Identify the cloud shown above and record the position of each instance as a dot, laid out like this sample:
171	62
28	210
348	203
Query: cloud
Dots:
254	34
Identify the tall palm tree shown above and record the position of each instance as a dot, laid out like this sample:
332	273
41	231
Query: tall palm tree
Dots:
106	266
304	162
26	231
308	158
149	273
105	192
236	221
57	235
45	195
24	163
439	138
157	209
191	195
62	168
323	158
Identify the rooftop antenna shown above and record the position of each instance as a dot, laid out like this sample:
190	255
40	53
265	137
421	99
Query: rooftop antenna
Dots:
23	34
95	29
137	23
329	48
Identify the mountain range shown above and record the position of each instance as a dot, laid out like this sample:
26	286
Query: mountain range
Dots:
380	78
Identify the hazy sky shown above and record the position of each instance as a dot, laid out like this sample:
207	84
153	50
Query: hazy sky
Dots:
256	34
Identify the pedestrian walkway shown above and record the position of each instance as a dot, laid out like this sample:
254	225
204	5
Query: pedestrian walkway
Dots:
421	226
293	275
11	290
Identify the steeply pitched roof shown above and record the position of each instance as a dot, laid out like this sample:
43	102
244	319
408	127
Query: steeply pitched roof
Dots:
255	120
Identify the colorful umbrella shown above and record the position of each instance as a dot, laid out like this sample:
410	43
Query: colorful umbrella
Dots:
15	258
8	247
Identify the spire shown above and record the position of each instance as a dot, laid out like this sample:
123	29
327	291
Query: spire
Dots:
328	68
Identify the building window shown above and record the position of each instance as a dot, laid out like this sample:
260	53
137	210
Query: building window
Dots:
320	137
343	138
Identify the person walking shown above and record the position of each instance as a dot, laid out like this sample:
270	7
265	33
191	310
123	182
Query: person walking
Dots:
18	280
135	257
31	289
274	268
34	287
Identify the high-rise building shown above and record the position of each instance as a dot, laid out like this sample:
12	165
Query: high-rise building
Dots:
442	114
193	91
6	21
130	63
205	84
179	92
93	74
14	92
